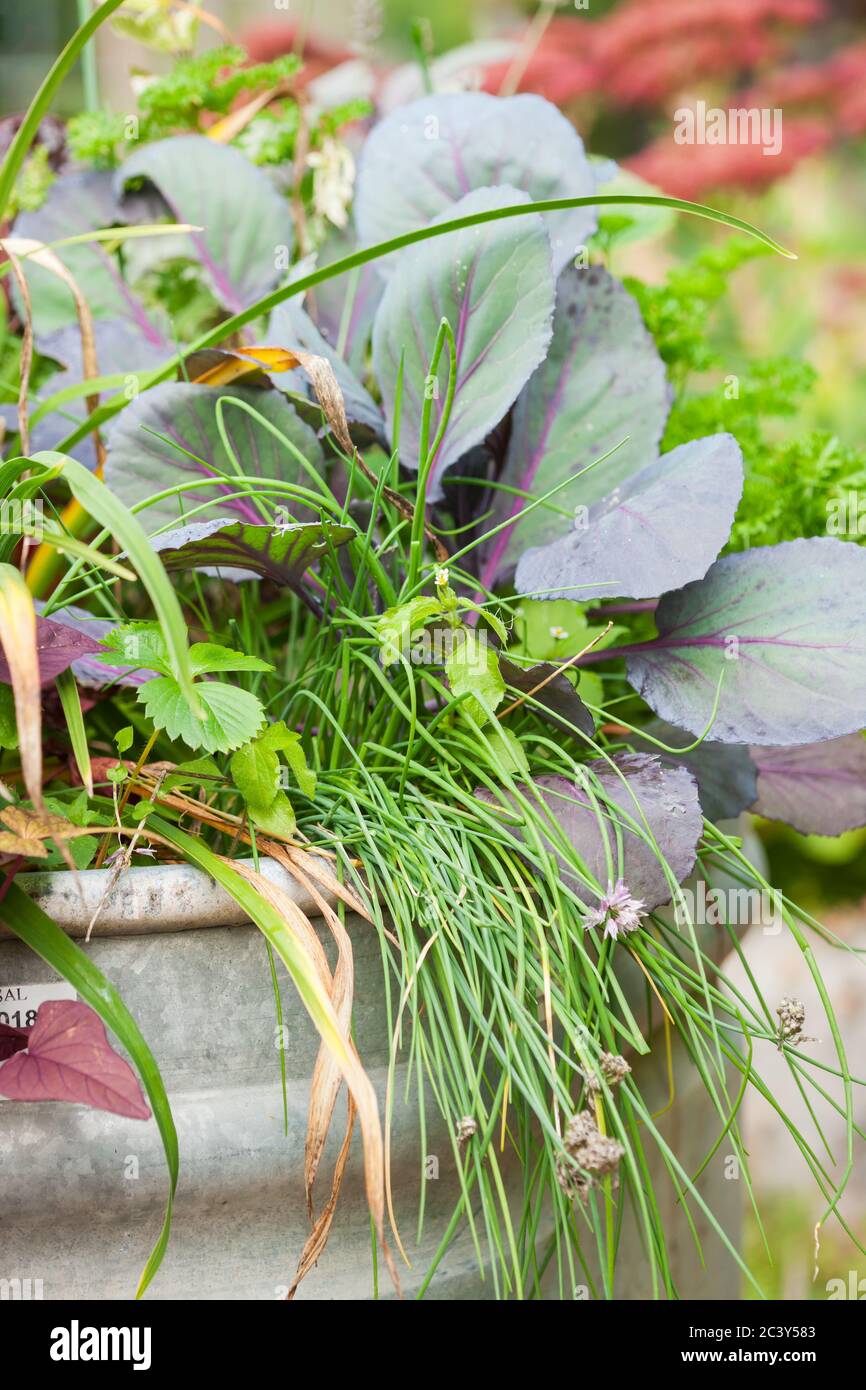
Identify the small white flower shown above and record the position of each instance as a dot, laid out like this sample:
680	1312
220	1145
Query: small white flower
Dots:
558	634
333	180
441	578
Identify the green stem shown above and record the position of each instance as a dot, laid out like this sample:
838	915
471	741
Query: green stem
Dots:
89	71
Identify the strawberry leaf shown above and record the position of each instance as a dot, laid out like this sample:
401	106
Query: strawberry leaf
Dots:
232	716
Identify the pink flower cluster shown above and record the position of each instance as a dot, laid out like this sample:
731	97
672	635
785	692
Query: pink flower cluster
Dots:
639	53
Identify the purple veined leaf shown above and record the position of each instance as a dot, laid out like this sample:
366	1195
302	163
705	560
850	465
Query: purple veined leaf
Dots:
234	548
69	1058
602	383
290	327
120	347
657	530
663	798
12	1040
818	788
561	703
725	772
343	308
81	202
150	445
423	159
88	671
244	248
57	647
494	285
785	626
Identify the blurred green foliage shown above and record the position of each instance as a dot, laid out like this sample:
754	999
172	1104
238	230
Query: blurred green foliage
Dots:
789	1221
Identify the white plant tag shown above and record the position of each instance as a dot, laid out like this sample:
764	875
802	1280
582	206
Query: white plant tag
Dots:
19	1003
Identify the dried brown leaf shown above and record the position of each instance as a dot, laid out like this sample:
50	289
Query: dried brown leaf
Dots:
36	251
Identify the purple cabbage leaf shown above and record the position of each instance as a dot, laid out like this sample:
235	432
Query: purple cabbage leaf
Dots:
494	285
726	774
639	798
170	435
246	222
658	530
291	327
818	788
782	626
418	164
601	385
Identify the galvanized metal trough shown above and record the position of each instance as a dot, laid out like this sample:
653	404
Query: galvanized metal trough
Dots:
82	1193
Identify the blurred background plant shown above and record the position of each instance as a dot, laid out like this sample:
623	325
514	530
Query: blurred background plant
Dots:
774	353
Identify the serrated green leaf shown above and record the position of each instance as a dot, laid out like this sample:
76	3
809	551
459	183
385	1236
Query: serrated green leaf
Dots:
232	716
472	668
207	657
256	772
255	769
138	644
276	819
288	742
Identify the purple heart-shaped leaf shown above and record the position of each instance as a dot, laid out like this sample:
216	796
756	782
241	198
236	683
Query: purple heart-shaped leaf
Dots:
69	1057
12	1040
57	646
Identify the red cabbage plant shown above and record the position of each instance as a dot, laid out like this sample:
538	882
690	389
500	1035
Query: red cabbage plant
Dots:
495	632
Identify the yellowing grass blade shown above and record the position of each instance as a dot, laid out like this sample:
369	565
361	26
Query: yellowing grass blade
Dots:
73	519
18	636
222	366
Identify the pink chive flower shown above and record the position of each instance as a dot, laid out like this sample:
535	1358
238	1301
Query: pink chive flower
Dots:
618	912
